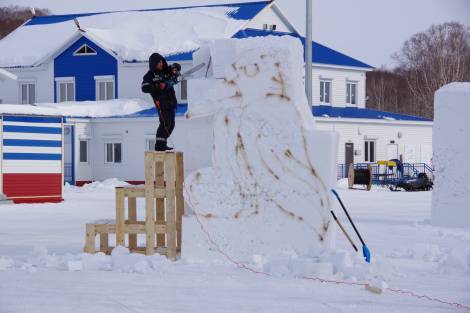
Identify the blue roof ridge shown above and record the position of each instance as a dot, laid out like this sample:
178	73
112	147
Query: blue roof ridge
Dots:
64	17
347	59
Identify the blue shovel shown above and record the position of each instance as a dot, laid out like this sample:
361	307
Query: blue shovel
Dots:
365	249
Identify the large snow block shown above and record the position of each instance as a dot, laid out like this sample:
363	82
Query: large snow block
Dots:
451	139
268	190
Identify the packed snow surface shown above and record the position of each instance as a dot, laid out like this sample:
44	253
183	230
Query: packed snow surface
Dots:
43	269
272	172
451	138
108	108
132	36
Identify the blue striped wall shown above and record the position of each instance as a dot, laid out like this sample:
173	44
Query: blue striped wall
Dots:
84	68
20	139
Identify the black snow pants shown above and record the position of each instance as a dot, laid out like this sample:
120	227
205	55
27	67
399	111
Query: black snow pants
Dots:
167	124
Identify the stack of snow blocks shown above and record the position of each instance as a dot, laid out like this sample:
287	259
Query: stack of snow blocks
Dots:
164	209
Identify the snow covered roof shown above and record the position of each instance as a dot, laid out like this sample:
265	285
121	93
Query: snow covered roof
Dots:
351	112
88	109
318	111
321	54
131	35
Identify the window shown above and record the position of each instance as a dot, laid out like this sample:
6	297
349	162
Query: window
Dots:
351	93
65	89
184	90
113	152
104	87
325	91
150	146
85	50
83	151
28	93
369	151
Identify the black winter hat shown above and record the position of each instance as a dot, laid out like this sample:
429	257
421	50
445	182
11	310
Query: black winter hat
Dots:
177	66
154	59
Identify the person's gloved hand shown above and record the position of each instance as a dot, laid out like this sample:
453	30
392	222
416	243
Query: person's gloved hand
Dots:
162	86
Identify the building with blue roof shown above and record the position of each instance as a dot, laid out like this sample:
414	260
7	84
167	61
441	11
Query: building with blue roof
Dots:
87	56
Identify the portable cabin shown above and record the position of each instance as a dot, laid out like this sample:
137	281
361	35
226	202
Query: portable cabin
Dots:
31	162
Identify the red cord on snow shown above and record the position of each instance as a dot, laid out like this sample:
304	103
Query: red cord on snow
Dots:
318	279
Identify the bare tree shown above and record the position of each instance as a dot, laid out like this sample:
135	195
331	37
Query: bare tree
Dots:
433	58
12	17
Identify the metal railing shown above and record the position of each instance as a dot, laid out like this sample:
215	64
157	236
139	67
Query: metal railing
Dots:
386	175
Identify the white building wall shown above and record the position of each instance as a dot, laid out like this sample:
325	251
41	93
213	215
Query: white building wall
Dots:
130	79
414	139
339	77
42	76
193	137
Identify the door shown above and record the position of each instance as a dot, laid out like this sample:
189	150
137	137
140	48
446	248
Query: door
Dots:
392	151
348	156
69	175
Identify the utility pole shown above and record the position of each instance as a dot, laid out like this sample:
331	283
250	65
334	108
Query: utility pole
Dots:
308	52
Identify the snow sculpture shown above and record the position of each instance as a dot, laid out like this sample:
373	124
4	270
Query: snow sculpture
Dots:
451	138
268	190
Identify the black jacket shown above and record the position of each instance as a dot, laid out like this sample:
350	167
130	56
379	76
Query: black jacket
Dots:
152	80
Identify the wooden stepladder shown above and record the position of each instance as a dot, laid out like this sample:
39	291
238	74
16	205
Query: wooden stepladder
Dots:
164	208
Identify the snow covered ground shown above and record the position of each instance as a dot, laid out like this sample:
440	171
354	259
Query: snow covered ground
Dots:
38	241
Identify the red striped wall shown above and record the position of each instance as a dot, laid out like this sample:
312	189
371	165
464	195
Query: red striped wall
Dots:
28	188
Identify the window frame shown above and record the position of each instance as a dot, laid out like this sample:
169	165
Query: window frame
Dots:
65	80
77	54
324	82
349	98
87	141
367	150
113	143
105	79
148	146
28	83
180	91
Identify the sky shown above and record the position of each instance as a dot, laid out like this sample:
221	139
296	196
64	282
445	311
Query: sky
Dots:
369	30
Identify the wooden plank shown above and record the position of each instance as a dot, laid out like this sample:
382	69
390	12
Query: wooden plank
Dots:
90	238
369	185
155	156
170	171
351	176
160	201
104	242
120	217
105	228
132	218
179	198
141	229
139	192
149	204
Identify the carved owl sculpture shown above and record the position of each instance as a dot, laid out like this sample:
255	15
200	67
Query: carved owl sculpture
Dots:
268	189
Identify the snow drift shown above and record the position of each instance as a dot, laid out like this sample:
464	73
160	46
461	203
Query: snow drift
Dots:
107	108
451	133
268	190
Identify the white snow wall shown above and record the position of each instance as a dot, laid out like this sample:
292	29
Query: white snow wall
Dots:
451	145
268	190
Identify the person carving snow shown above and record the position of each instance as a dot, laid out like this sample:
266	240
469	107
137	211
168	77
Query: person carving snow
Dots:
159	82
